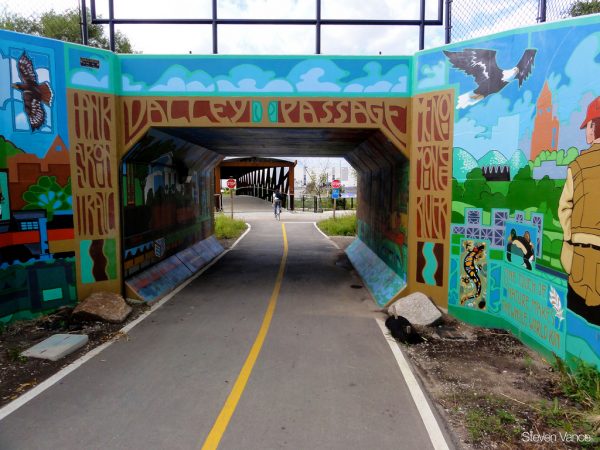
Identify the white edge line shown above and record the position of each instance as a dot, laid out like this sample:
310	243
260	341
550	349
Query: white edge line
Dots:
328	238
431	424
37	390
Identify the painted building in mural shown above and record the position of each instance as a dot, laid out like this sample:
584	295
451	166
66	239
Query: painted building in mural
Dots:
475	190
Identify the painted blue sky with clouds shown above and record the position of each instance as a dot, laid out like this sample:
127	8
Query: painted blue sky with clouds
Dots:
47	56
568	59
252	75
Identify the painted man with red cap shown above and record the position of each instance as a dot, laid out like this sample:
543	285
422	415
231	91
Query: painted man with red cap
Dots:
579	215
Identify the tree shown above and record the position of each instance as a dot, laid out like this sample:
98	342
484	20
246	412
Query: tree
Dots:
582	8
317	183
474	186
64	26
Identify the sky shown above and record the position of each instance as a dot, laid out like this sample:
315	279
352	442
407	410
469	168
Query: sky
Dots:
261	39
504	121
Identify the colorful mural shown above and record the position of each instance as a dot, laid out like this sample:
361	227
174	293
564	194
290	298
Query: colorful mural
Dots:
476	172
271	75
523	178
37	254
167	198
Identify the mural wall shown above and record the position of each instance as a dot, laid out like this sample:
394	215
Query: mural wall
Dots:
37	248
525	171
166	197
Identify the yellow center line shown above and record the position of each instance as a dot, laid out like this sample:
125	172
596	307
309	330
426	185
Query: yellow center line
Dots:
220	425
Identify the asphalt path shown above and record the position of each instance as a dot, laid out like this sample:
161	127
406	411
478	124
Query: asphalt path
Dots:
324	378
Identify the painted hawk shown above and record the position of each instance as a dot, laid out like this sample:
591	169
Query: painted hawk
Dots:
481	65
33	93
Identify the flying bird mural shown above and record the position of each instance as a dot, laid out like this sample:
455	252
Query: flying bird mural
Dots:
481	65
34	94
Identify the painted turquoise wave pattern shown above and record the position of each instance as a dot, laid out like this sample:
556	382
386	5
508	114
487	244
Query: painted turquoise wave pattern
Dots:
431	265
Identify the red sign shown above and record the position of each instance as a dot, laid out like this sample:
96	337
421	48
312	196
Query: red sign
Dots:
231	183
336	184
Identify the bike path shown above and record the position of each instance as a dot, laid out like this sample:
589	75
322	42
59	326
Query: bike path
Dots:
324	378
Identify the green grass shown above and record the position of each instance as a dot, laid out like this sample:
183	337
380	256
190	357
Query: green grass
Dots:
581	383
228	228
14	355
343	225
501	424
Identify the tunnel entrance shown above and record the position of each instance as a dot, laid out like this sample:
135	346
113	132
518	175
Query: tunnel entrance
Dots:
168	186
399	146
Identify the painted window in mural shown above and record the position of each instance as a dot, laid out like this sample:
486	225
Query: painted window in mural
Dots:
37	263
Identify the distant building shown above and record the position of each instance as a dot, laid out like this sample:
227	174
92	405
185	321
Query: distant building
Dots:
336	171
496	173
25	169
545	125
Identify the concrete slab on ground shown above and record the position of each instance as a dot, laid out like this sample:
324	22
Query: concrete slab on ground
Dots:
56	346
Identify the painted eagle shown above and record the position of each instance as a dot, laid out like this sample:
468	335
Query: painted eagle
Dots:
481	65
33	93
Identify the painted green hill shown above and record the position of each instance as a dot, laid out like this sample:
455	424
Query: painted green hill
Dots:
492	158
463	163
7	149
517	161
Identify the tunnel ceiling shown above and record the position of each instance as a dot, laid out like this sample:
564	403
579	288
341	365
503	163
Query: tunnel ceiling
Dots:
270	142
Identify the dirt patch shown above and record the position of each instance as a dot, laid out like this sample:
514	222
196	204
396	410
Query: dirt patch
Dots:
18	374
494	391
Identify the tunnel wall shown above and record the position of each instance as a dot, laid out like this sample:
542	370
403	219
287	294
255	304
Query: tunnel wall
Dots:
513	205
166	199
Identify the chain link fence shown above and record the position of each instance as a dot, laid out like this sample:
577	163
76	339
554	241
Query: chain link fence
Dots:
470	18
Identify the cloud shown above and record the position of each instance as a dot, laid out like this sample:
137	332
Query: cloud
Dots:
314	81
578	81
250	85
179	79
478	140
395	80
21	122
432	75
87	79
129	86
43	74
251	78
